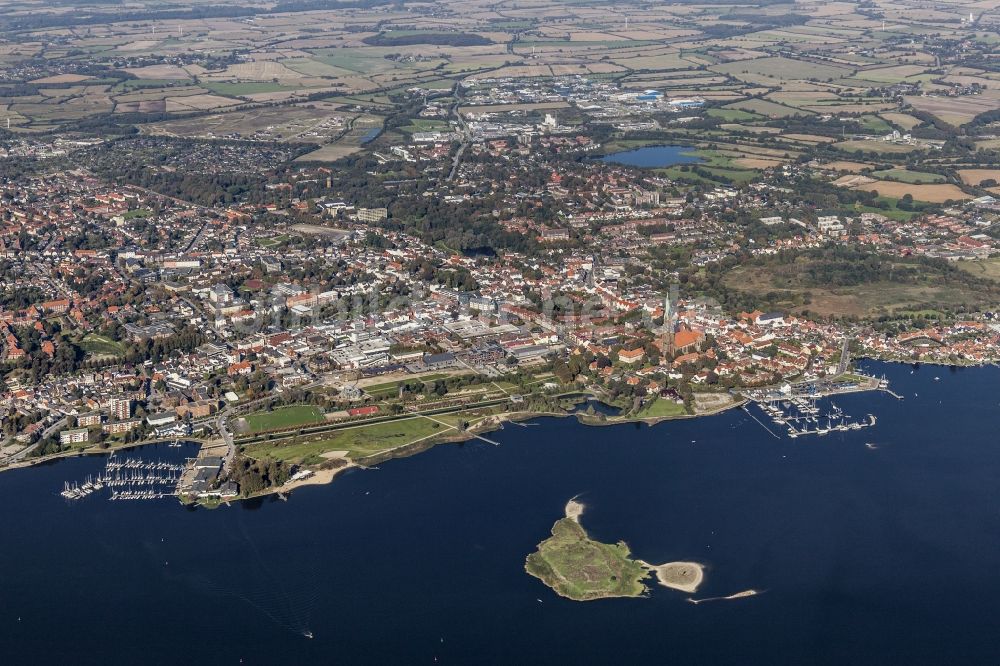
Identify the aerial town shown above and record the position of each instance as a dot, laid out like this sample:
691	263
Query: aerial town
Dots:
306	279
130	316
492	331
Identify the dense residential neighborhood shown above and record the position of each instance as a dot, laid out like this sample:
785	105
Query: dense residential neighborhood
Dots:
129	315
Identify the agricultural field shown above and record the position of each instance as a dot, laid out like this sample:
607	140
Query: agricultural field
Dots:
779	69
426	125
933	193
765	68
733	115
907	176
763	107
956	111
187	103
244	88
904	121
875	146
317	122
893	74
976	176
848	166
358	131
988	144
808	138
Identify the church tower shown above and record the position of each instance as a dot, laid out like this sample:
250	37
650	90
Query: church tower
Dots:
669	321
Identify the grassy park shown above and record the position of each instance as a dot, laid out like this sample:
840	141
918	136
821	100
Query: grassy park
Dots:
358	441
284	417
98	345
661	408
389	389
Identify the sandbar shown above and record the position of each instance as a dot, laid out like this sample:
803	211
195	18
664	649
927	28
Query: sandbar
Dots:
574	510
683	576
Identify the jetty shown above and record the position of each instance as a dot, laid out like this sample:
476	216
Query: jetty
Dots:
762	424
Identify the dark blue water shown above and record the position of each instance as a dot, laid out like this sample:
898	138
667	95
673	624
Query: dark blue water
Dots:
654	156
868	556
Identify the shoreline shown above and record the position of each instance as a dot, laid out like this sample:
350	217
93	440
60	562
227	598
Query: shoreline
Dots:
320	476
494	423
489	424
588	420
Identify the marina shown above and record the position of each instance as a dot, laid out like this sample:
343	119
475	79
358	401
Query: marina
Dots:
78	491
795	408
803	416
129	479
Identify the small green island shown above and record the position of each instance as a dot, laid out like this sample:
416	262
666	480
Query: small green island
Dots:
582	569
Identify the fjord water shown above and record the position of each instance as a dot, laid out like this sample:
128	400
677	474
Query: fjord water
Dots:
885	555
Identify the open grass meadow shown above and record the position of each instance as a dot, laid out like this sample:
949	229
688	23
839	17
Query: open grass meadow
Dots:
789	288
389	389
577	567
284	418
98	345
358	441
660	408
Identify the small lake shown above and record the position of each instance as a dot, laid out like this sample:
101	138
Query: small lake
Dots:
599	407
654	156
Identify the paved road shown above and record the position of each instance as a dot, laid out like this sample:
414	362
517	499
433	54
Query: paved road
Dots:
48	432
466	138
227	437
845	356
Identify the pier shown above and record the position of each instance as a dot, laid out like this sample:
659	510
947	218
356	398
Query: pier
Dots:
891	392
762	424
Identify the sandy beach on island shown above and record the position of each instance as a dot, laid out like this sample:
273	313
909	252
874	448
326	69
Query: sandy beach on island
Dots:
574	510
683	576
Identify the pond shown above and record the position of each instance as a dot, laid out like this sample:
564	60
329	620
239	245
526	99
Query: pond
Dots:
654	156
